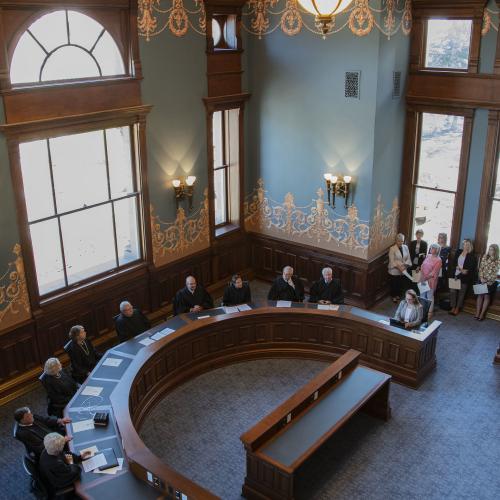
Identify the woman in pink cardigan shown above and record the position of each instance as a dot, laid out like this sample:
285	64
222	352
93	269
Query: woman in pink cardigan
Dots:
429	271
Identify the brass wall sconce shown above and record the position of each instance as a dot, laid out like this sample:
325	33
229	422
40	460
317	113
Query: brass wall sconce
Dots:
184	189
337	186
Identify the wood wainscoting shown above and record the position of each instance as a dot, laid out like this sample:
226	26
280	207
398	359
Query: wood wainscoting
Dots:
364	282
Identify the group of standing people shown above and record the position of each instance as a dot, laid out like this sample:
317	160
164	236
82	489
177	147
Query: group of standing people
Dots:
435	264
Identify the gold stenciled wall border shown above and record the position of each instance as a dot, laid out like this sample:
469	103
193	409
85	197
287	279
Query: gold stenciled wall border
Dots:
184	236
263	17
14	299
490	20
315	224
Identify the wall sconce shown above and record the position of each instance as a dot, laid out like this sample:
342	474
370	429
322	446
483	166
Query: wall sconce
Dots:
336	186
184	189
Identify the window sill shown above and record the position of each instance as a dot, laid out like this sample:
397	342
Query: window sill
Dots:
224	230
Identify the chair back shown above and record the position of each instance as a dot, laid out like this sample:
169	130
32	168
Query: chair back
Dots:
68	346
426	305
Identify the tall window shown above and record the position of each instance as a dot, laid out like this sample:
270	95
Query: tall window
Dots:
494	227
65	45
82	205
436	180
448	43
226	176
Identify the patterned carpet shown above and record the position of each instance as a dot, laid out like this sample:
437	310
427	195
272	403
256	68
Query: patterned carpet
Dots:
443	440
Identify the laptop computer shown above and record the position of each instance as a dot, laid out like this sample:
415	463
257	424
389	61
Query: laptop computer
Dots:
395	322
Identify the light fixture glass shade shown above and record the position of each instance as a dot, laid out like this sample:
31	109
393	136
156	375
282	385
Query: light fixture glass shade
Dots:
334	178
176	183
190	180
327	177
324	8
347	179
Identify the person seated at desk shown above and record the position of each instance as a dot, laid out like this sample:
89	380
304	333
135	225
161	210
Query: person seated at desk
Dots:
59	385
410	311
82	354
130	322
287	287
192	298
327	290
32	429
237	292
59	469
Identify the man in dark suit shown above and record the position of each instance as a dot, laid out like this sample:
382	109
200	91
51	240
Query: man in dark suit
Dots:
287	287
327	290
32	429
192	298
130	322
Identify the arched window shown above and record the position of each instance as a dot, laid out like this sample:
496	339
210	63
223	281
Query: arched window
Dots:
64	45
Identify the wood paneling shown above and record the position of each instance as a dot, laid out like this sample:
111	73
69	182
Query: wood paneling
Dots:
363	282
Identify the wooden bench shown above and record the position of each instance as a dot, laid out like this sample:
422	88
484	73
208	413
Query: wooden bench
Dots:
283	440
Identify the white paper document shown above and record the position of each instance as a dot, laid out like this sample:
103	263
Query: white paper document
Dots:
91	391
147	341
93	450
454	284
480	289
158	336
94	462
82	425
112	362
284	303
384	321
111	470
328	307
244	307
167	331
423	287
205	316
230	309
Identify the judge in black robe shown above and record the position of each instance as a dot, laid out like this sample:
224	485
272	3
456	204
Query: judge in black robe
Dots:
130	322
31	429
192	298
327	290
237	292
59	385
82	354
287	287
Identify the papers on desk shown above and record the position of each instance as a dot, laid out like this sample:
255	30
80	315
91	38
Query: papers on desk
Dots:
91	391
328	307
82	425
112	470
112	362
92	449
423	287
203	317
162	334
244	307
94	462
230	309
147	341
384	321
284	303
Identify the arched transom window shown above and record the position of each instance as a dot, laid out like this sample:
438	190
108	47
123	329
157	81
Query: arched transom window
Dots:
64	45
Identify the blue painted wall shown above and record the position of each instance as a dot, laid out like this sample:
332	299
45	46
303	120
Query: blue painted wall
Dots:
174	71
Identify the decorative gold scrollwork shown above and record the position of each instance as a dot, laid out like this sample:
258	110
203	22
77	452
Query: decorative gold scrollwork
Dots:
361	20
291	20
407	18
178	21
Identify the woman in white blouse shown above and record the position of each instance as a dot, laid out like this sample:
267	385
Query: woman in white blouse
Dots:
410	311
399	261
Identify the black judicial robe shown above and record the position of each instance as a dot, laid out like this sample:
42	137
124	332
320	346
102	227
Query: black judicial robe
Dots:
128	327
57	472
412	247
234	296
32	435
59	391
184	300
81	362
281	290
323	291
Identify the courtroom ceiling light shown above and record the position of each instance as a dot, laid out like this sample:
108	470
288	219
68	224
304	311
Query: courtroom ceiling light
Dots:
325	11
184	189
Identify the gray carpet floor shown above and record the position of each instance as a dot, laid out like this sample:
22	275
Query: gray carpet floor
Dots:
443	440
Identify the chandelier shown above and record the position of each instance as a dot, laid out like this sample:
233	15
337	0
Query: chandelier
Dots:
325	10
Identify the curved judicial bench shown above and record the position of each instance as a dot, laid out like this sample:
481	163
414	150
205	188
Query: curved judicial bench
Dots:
136	375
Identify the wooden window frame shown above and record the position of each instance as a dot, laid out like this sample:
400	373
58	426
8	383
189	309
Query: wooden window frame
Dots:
411	164
492	156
